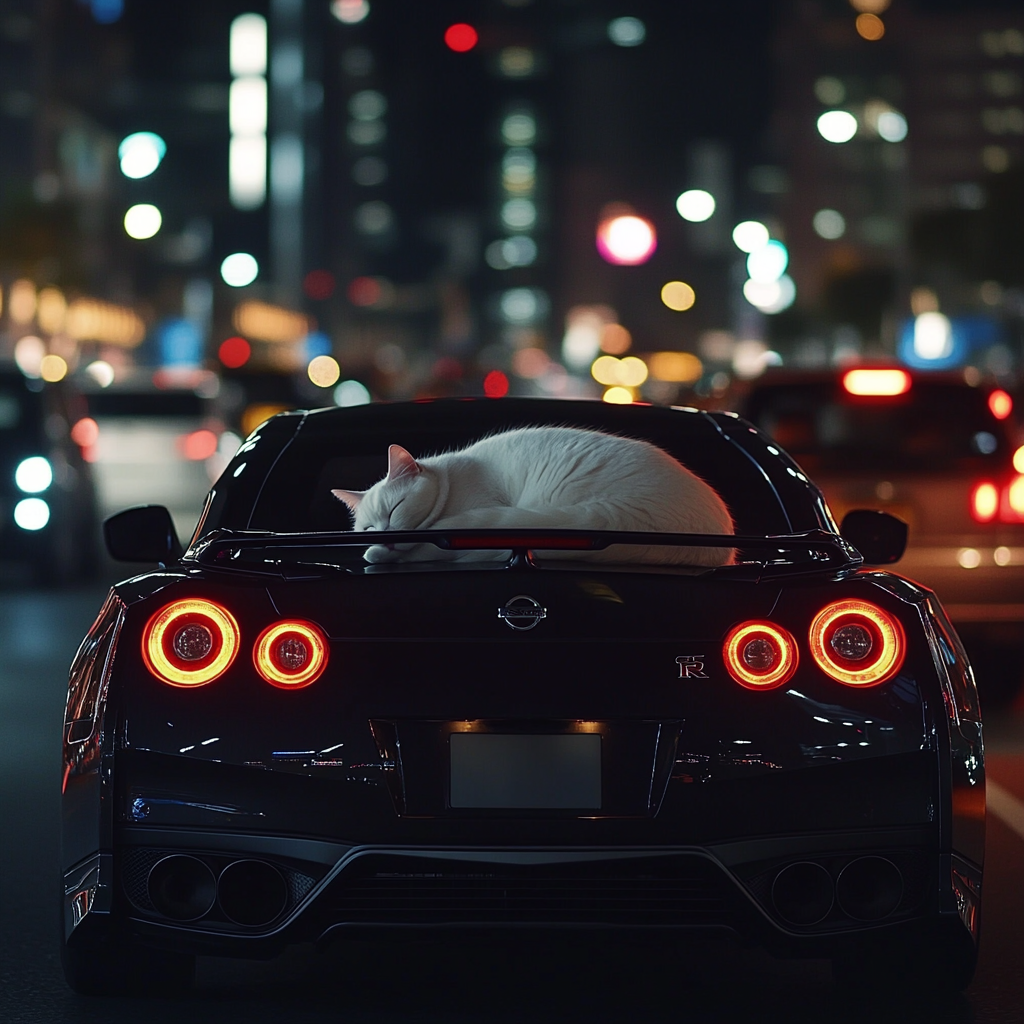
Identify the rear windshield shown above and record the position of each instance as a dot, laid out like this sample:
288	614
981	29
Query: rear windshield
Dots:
933	426
296	496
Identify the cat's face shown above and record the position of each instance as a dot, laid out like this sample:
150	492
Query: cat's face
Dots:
401	501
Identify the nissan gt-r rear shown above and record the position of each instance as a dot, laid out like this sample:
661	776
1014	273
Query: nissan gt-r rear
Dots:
269	741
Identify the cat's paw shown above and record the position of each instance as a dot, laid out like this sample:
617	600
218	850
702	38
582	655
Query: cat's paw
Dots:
378	553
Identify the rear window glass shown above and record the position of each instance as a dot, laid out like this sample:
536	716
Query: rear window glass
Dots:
931	427
296	496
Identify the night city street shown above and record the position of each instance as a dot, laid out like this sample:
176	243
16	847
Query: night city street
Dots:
511	510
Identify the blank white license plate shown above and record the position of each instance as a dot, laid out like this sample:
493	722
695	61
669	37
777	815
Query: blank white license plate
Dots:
494	770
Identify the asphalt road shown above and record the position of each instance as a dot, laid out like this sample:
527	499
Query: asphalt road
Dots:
437	980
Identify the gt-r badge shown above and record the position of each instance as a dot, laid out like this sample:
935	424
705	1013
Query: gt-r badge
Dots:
522	612
691	666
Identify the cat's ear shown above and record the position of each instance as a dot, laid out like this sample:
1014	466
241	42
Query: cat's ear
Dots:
351	498
401	463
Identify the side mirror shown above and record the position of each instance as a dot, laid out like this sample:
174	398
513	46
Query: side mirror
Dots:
142	534
878	536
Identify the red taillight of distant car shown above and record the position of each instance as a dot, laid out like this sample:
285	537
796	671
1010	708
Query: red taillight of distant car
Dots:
290	654
989	502
190	642
876	382
857	643
984	502
760	655
1000	404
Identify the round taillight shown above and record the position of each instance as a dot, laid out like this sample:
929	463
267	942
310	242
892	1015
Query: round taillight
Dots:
290	654
760	655
190	642
857	643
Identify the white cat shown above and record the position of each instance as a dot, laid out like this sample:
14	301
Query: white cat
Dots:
543	477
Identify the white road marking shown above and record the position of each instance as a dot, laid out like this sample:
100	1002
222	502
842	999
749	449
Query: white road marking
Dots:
1005	806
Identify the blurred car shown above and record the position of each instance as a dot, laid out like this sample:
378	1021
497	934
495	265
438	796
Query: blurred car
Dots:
939	453
157	434
269	741
48	518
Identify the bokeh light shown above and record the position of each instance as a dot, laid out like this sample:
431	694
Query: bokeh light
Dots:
933	335
350	12
617	395
324	371
28	354
830	224
870	27
837	126
198	445
768	263
247	45
239	269
627	31
86	432
1000	404
750	235
364	291
678	295
695	205
351	392
142	220
629	372
140	154
770	296
234	352
519	129
870	6
460	37
102	372
626	239
53	368
495	384
892	126
615	339
676	367
31	513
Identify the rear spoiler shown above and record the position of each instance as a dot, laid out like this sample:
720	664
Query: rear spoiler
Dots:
825	548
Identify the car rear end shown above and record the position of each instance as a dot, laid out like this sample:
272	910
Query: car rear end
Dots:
623	763
539	744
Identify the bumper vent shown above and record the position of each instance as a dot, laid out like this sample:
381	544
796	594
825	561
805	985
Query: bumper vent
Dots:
670	891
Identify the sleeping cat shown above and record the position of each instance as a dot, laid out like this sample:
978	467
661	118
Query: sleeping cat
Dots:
543	477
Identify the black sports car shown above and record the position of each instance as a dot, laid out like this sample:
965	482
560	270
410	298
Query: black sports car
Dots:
269	740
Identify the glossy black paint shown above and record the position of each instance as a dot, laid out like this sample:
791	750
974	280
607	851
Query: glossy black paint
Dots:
710	791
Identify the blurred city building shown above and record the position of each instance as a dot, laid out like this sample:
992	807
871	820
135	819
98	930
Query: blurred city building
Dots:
898	147
350	200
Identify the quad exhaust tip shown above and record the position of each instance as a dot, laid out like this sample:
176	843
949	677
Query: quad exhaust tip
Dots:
867	889
250	893
181	887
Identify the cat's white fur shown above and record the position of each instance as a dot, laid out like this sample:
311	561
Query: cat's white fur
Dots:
543	477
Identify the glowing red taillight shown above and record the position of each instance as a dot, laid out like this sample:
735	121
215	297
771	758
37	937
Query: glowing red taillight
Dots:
760	655
984	502
1000	404
190	642
1011	504
857	643
290	654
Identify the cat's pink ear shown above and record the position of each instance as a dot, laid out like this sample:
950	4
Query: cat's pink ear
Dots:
400	463
351	498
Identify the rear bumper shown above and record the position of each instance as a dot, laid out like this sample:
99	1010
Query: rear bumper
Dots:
335	891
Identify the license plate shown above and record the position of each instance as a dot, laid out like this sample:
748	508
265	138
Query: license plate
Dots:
494	770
